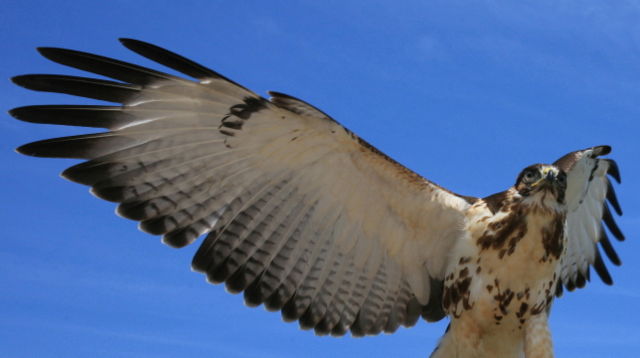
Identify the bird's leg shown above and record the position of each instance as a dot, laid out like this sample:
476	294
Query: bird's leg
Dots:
462	339
537	338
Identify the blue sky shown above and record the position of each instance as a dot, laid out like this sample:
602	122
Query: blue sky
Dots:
466	93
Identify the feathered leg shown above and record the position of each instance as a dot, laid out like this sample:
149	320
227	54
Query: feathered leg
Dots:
461	340
537	341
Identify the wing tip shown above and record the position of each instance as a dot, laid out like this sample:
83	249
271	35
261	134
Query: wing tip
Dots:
32	149
602	150
49	52
60	55
611	223
613	199
23	81
610	252
127	41
614	170
20	150
24	113
177	242
17	112
602	270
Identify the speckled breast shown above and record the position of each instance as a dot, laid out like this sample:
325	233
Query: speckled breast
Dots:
507	268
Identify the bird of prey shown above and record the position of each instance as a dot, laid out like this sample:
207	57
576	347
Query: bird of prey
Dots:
307	218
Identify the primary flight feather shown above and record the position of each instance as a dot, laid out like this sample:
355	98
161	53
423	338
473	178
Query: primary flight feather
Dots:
307	218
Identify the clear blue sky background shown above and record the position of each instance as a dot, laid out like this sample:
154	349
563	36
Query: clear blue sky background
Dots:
466	93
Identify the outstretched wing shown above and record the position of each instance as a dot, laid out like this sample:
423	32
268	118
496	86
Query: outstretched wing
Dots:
300	214
588	191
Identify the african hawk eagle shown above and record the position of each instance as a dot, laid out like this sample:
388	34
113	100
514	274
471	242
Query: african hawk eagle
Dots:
307	218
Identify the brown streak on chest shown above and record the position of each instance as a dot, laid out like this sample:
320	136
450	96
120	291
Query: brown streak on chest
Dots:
552	239
503	298
457	292
503	235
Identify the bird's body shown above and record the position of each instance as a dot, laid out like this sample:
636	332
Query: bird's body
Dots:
305	217
502	275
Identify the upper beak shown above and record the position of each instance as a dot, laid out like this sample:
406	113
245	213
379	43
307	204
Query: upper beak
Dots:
549	177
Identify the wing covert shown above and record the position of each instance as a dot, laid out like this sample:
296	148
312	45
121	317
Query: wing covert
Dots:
299	213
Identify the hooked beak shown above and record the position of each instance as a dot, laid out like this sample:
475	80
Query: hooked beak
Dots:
549	176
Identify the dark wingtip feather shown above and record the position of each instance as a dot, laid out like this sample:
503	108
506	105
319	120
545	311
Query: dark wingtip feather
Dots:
51	148
602	271
323	328
102	65
168	58
339	330
27	114
174	61
51	53
87	173
613	170
36	149
17	113
253	296
78	147
235	283
276	301
581	279
309	318
611	224
108	117
26	81
41	82
62	55
608	248
26	149
570	285
203	259
180	238
78	86
356	327
602	150
290	311
613	199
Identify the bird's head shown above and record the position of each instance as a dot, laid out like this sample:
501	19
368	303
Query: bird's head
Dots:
540	181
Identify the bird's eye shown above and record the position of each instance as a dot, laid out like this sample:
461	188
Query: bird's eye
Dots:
530	175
